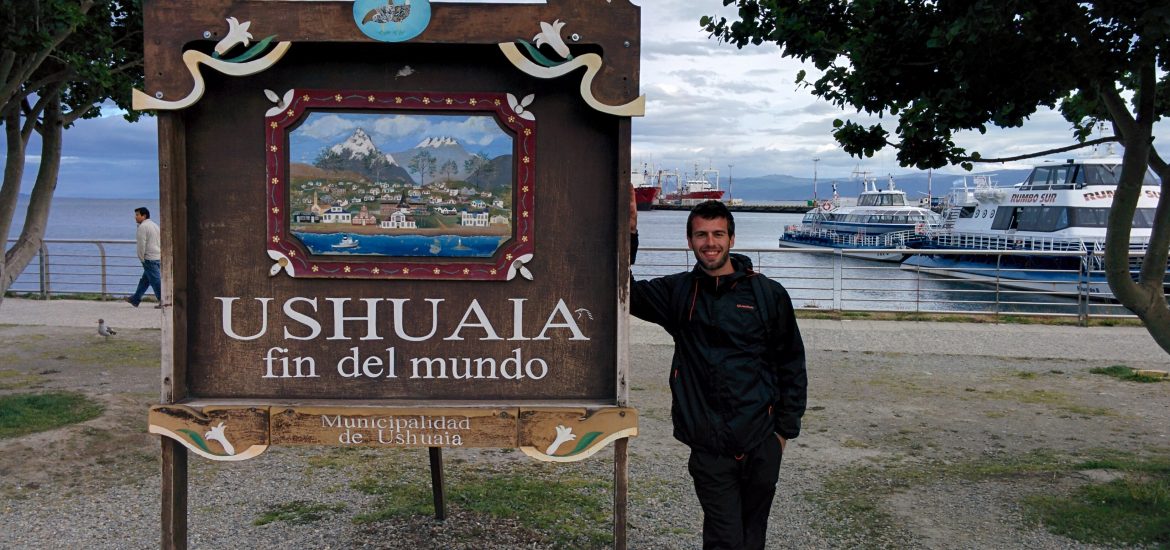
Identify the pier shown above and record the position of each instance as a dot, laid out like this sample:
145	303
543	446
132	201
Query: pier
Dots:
782	207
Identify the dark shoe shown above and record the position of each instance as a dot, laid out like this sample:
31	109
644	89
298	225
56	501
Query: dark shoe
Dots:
160	306
130	301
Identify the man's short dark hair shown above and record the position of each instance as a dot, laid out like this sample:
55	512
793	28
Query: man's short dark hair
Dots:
710	210
143	211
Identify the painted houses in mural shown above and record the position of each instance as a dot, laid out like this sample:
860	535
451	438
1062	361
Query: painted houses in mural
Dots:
412	185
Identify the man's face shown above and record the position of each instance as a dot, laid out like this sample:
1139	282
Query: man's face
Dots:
711	244
138	217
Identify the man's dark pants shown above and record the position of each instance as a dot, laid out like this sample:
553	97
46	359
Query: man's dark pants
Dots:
736	494
152	278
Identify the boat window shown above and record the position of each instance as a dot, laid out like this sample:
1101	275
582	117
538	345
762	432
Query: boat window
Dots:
967	212
1108	174
1042	218
1004	218
865	200
1050	176
1099	217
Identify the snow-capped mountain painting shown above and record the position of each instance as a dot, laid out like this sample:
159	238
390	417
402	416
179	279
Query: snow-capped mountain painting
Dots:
400	185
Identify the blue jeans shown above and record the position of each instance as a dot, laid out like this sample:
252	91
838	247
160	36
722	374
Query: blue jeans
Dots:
152	277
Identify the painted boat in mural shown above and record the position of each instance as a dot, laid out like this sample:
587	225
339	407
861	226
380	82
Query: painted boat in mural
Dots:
882	219
1060	207
346	242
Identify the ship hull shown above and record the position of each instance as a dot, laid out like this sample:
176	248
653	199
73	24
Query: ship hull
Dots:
645	197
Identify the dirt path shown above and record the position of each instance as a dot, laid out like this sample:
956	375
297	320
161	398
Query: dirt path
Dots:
899	450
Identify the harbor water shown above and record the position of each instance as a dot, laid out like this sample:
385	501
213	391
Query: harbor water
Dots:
815	280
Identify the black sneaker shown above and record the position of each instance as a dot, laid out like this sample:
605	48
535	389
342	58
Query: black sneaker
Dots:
130	301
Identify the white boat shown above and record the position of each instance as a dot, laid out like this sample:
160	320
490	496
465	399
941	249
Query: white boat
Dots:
346	242
881	219
989	231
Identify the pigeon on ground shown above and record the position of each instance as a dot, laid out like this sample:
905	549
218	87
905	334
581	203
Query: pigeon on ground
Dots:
104	329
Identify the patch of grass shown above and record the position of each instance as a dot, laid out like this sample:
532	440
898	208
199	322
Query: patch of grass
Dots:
1025	375
22	414
1131	511
14	379
89	296
297	512
1049	398
570	507
576	511
820	313
1122	372
853	499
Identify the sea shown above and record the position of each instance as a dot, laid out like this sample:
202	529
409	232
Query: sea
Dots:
810	277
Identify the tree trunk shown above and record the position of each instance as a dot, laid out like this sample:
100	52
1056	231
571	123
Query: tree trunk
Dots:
37	215
1145	297
10	191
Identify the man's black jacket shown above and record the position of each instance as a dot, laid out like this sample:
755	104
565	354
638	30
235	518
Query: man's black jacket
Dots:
733	381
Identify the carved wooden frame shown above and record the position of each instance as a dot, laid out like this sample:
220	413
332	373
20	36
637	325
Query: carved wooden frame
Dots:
293	257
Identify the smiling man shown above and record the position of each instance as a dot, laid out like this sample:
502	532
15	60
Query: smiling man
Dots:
737	380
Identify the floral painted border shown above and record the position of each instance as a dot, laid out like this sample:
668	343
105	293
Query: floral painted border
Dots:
293	258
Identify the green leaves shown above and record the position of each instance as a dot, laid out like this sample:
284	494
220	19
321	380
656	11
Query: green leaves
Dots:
945	67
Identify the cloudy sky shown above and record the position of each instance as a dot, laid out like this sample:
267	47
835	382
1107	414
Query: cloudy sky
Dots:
707	103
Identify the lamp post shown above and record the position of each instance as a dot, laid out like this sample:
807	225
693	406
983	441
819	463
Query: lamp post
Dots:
729	183
815	161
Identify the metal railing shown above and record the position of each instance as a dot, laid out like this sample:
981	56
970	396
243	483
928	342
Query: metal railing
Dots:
836	280
108	268
816	279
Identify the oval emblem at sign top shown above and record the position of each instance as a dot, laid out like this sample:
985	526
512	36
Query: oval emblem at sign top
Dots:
392	20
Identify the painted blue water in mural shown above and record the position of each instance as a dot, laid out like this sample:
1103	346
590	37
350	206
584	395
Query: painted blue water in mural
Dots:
438	246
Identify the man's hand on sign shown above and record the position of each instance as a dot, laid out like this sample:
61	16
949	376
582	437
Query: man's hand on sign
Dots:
633	209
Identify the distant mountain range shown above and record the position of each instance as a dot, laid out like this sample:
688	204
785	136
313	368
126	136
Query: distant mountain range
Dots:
438	158
358	154
790	188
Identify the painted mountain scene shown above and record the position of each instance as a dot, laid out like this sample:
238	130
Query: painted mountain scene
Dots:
401	184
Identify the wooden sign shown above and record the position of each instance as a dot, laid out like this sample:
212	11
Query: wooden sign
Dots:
393	224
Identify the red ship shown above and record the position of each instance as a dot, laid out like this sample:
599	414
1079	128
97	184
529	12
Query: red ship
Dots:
646	196
648	186
698	188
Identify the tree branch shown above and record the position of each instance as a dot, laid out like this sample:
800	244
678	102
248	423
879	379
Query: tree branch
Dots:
72	116
1044	153
26	71
13	172
7	59
1123	121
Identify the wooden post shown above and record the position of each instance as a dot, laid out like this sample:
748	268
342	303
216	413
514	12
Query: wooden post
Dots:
437	482
174	495
621	489
172	194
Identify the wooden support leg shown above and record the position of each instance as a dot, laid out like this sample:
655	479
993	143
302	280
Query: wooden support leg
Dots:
174	495
437	482
621	489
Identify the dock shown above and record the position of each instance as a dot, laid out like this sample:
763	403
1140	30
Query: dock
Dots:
790	207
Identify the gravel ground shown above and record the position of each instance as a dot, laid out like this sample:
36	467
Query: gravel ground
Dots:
887	419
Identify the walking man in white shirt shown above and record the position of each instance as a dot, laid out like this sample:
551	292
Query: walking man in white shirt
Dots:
150	253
